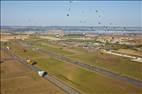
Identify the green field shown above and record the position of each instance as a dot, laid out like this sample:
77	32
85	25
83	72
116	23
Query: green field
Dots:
83	80
113	63
87	82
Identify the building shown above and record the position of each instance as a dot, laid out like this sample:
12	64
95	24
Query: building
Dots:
57	33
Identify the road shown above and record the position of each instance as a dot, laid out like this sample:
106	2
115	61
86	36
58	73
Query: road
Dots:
51	78
133	58
94	69
91	68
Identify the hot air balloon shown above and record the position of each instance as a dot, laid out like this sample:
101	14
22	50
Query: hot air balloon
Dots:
99	22
68	14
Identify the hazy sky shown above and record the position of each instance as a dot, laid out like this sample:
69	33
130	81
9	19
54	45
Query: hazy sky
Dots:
81	13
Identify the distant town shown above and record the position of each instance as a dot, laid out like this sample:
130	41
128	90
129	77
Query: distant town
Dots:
75	29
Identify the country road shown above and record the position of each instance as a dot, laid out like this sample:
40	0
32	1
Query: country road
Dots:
51	78
91	68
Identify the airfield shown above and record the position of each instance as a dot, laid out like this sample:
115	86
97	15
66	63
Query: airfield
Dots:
75	65
18	79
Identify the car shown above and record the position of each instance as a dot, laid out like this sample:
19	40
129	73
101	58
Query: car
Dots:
42	73
8	47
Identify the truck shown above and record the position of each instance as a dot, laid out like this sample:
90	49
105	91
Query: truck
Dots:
29	61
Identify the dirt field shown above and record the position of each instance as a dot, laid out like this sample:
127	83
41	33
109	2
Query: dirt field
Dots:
18	79
130	52
7	37
50	38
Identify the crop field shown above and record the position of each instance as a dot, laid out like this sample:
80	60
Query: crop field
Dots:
18	79
83	80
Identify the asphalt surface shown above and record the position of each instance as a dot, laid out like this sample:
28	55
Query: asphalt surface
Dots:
91	68
51	78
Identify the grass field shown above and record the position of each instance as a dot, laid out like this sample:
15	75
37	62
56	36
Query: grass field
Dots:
110	62
87	82
18	79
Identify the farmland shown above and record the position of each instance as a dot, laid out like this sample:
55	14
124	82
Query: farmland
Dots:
71	47
110	62
75	76
18	79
